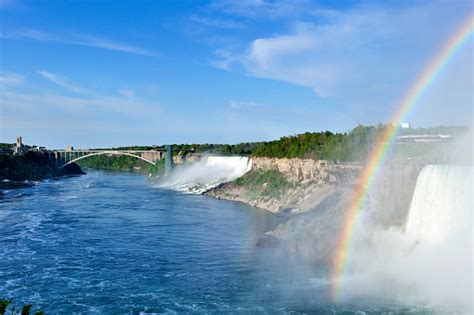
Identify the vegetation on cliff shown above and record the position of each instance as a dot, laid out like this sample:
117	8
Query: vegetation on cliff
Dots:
264	182
31	166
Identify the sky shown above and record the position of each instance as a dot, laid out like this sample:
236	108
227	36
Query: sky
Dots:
115	73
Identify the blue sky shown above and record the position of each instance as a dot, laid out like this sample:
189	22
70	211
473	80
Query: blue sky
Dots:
109	73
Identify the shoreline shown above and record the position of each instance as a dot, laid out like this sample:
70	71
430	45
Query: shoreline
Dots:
22	171
288	186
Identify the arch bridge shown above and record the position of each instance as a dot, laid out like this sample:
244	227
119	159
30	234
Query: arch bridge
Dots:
62	158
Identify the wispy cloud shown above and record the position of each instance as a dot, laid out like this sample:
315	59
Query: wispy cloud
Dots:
4	4
11	79
216	22
127	93
92	119
77	39
244	104
225	58
349	53
37	99
264	9
61	81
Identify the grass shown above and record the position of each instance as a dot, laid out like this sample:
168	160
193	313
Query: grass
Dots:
265	183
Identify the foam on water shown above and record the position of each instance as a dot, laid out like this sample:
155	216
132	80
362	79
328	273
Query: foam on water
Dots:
206	174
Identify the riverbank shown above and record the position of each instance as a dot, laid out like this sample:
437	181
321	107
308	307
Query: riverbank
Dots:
288	185
20	171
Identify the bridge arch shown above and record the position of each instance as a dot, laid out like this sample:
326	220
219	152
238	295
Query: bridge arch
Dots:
107	152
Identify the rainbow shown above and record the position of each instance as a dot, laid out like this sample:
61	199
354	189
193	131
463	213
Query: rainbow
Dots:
379	152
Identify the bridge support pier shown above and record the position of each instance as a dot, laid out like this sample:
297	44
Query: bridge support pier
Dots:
168	159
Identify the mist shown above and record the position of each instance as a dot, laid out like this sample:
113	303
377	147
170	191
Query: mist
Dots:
429	259
206	173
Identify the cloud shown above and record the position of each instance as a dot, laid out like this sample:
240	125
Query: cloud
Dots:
263	9
225	59
77	39
243	104
4	4
127	93
102	119
11	79
365	55
34	100
216	22
61	81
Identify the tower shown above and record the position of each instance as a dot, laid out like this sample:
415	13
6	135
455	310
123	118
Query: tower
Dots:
18	148
168	159
19	142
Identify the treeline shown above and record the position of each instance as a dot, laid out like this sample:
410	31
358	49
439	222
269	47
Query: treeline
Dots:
354	145
326	145
223	149
9	146
211	148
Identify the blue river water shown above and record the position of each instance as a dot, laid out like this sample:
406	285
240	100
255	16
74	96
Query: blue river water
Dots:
114	243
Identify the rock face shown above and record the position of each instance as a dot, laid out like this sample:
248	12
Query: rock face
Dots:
312	181
315	234
70	169
180	159
308	170
389	200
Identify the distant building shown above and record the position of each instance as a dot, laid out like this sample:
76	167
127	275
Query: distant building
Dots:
425	138
405	125
39	148
19	147
69	148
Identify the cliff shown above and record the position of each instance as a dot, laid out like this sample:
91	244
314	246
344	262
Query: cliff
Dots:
288	185
315	196
32	166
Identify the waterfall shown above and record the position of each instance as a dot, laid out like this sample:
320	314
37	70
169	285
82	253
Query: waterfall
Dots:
442	204
211	171
431	260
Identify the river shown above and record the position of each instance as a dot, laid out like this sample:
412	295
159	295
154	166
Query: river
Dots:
116	243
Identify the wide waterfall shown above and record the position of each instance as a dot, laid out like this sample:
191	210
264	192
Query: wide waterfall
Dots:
209	172
430	260
441	204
